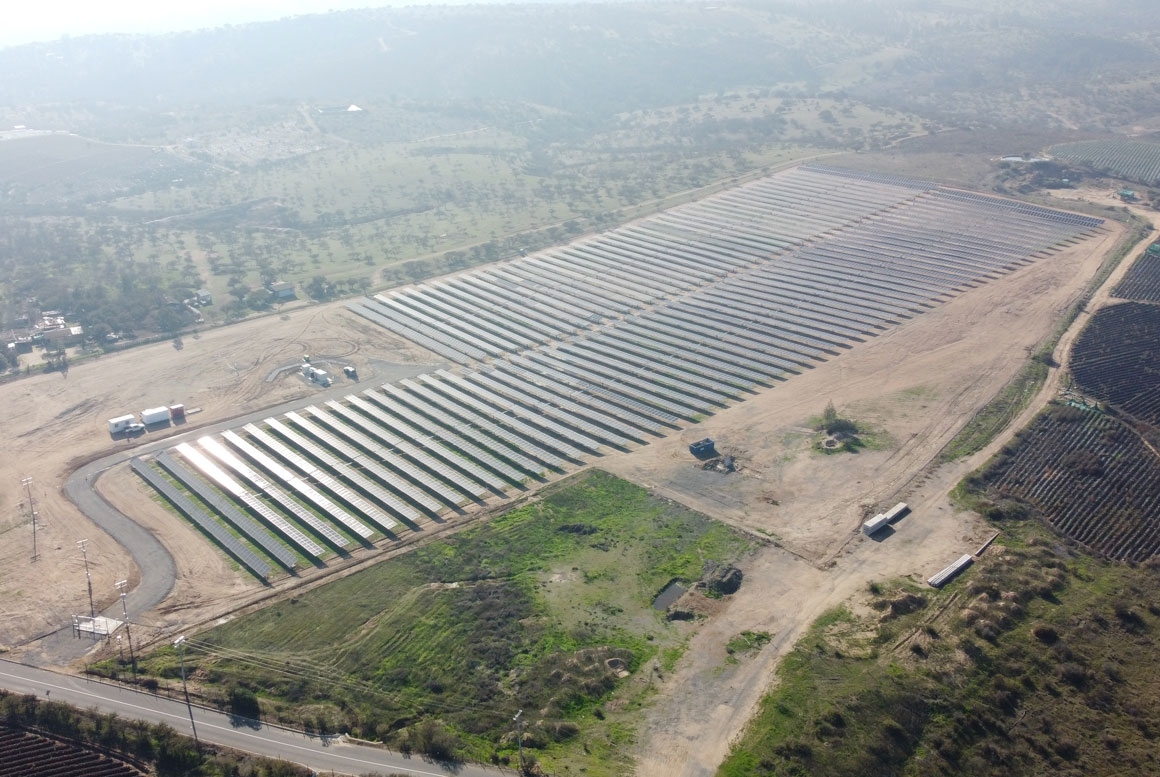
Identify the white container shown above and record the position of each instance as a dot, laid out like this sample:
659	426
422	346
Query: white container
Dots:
948	574
875	524
120	423
898	510
155	415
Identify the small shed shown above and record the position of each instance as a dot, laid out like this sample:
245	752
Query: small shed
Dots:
283	290
703	449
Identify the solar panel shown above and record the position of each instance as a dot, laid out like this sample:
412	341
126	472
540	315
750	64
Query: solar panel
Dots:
412	443
415	477
459	434
249	528
227	541
384	475
576	415
410	333
436	405
612	391
301	487
461	481
344	469
324	480
235	489
459	398
534	416
511	380
507	370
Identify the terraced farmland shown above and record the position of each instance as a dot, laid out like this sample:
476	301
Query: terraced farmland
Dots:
1142	281
1090	477
1117	359
28	754
602	346
1128	159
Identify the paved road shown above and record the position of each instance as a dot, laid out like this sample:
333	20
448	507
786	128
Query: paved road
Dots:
322	754
156	565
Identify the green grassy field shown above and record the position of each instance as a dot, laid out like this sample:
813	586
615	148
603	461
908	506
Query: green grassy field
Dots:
547	609
1035	661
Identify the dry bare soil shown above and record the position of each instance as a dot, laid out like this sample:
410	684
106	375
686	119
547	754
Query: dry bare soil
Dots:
915	385
54	422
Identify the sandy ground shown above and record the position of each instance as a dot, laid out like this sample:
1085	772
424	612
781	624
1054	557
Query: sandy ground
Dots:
916	385
54	422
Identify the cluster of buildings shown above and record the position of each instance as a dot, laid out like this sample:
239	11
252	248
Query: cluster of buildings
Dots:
49	329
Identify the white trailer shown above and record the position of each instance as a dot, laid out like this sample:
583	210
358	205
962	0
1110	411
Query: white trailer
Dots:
121	423
948	574
155	415
897	511
875	524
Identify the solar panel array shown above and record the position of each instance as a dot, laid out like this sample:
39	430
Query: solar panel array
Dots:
207	524
613	341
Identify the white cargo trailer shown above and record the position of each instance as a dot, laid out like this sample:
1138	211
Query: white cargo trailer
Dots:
897	511
121	423
155	415
948	574
875	524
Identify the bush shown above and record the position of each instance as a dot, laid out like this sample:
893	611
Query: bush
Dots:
244	703
432	739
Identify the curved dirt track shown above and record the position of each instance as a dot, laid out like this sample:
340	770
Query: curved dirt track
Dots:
919	383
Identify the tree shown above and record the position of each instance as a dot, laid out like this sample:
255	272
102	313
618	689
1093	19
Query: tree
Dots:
829	415
244	703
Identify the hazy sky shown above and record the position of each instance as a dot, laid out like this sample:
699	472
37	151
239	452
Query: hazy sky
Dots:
27	21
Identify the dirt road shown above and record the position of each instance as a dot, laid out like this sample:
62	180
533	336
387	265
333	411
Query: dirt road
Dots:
55	424
915	386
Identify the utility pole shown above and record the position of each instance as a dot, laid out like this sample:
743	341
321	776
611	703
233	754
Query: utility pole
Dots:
179	643
84	545
520	737
121	585
27	483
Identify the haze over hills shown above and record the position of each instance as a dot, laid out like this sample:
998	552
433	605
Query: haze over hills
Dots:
600	58
655	213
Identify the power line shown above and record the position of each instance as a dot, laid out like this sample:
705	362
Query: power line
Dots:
27	483
308	670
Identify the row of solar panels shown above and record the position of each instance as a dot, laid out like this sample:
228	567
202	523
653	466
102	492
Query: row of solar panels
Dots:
317	481
530	301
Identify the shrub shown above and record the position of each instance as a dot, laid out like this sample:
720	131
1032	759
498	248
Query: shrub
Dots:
243	702
432	739
1072	674
1045	634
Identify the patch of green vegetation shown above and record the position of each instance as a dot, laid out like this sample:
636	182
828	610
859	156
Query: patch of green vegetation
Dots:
998	413
837	435
919	393
747	642
1035	661
546	608
670	656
